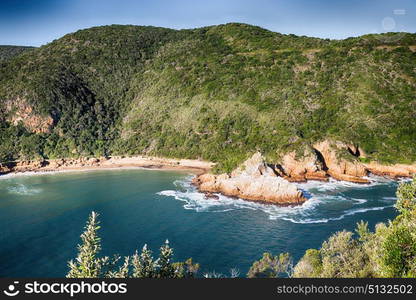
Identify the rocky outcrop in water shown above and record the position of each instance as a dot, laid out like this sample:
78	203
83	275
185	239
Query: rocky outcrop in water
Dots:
254	180
300	169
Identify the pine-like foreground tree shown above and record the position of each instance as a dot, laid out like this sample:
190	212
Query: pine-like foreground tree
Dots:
89	265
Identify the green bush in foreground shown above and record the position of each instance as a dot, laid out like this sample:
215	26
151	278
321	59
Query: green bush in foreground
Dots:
89	265
270	266
389	251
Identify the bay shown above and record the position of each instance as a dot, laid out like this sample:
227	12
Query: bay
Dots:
43	215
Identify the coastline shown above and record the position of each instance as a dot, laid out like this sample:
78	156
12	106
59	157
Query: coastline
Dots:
4	176
255	180
196	167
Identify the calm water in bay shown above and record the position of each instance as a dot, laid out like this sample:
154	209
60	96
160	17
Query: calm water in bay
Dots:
42	216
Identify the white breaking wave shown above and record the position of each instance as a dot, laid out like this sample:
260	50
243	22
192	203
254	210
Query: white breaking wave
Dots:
359	201
21	189
321	197
335	185
346	213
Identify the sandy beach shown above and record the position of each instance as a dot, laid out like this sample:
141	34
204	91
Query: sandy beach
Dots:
115	162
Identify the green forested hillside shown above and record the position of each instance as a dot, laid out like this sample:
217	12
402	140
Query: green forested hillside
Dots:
8	52
216	93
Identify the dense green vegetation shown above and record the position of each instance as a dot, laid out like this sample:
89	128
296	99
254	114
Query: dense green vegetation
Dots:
216	93
389	251
8	52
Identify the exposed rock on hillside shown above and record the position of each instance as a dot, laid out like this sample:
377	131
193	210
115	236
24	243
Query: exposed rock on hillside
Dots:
393	171
337	160
338	167
307	167
20	111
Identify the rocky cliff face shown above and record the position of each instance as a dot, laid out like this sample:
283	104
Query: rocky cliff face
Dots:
18	110
323	160
307	167
337	160
254	180
393	171
338	167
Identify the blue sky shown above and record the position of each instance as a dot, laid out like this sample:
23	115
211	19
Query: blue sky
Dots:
37	22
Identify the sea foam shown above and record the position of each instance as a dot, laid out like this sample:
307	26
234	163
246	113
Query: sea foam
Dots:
322	196
21	189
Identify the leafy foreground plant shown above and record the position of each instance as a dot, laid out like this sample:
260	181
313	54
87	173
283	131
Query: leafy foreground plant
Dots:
270	266
390	251
88	264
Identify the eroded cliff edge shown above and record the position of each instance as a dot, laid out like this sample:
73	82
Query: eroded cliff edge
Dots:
257	180
254	180
341	161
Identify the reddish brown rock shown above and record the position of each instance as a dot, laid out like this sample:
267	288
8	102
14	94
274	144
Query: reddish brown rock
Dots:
254	180
4	168
392	171
339	167
318	175
211	196
300	169
346	177
20	111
